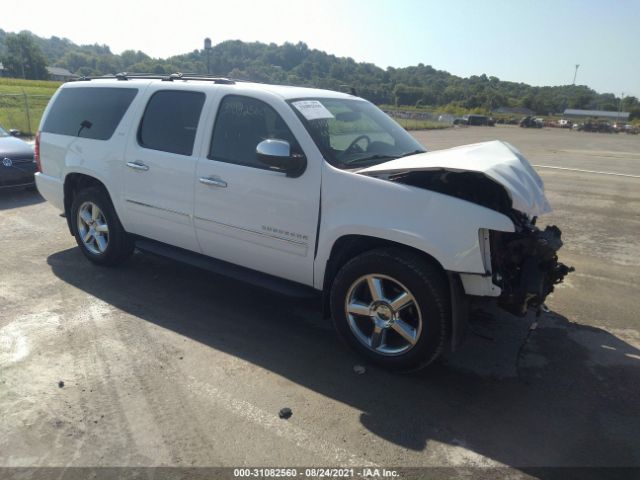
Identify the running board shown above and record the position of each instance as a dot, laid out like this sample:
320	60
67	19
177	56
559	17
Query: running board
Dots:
220	267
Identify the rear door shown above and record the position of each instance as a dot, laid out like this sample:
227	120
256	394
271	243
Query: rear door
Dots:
245	213
160	167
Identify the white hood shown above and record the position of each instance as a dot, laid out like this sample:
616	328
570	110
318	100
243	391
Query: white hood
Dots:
499	161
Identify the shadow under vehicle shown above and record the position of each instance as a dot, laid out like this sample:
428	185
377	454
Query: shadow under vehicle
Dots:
18	198
562	394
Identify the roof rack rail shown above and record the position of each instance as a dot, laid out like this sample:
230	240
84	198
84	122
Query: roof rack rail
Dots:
124	76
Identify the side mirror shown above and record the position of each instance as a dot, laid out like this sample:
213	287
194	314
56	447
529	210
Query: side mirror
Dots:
14	133
277	155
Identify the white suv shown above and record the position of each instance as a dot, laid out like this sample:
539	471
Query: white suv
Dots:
301	190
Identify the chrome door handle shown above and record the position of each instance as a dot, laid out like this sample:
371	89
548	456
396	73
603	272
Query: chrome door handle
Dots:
138	166
216	182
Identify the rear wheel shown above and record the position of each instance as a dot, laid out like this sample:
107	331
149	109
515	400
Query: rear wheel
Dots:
392	306
97	229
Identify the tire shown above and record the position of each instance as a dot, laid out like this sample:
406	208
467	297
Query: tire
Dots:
88	223
379	327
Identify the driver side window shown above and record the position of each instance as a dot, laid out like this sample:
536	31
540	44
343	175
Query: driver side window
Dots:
241	124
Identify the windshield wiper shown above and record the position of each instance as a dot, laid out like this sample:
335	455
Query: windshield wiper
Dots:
415	152
370	158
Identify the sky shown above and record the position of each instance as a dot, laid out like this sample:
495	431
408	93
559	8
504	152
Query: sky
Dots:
535	42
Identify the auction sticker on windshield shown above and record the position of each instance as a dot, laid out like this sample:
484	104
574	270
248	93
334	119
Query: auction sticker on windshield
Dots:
312	109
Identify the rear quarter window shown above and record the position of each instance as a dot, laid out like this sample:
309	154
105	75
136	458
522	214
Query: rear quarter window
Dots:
92	112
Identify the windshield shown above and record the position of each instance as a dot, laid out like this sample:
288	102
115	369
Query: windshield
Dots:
353	133
3	132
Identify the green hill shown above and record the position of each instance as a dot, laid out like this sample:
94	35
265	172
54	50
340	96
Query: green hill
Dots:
297	64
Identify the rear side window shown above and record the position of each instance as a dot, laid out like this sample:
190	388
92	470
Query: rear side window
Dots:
92	112
170	121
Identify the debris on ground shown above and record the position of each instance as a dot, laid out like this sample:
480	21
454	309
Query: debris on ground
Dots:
285	413
60	384
532	327
359	369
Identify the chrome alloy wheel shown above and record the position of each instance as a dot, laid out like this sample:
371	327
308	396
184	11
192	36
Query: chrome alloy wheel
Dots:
93	228
383	314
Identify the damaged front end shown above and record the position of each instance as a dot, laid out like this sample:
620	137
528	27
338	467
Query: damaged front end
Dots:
495	175
525	264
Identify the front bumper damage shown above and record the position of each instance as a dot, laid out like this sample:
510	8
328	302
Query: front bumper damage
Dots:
525	264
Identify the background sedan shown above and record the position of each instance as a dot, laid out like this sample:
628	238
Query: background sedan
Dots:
17	164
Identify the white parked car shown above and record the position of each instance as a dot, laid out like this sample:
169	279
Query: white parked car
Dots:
301	190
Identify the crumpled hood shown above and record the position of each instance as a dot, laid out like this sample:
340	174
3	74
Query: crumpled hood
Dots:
499	161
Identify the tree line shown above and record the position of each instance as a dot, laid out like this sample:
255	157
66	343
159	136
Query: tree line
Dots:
25	55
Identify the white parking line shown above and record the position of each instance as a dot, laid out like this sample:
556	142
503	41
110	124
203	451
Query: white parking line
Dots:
588	171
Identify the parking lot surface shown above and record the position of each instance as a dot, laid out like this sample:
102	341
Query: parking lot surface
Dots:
158	363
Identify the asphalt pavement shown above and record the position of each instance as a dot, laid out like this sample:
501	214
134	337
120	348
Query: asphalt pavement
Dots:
157	363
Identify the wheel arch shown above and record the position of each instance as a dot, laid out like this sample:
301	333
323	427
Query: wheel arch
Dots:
349	246
75	182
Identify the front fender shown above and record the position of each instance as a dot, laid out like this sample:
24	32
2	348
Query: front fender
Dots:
447	228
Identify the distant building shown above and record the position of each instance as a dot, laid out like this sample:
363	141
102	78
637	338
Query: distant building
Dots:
599	114
513	111
60	74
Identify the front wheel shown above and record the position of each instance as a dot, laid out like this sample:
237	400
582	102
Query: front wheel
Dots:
97	229
392	306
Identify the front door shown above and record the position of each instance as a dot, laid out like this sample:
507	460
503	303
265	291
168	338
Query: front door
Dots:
245	213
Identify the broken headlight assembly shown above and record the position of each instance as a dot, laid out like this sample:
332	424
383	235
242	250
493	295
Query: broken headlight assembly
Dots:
525	264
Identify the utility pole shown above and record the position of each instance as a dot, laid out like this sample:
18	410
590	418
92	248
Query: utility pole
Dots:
22	61
207	49
576	73
620	107
26	111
